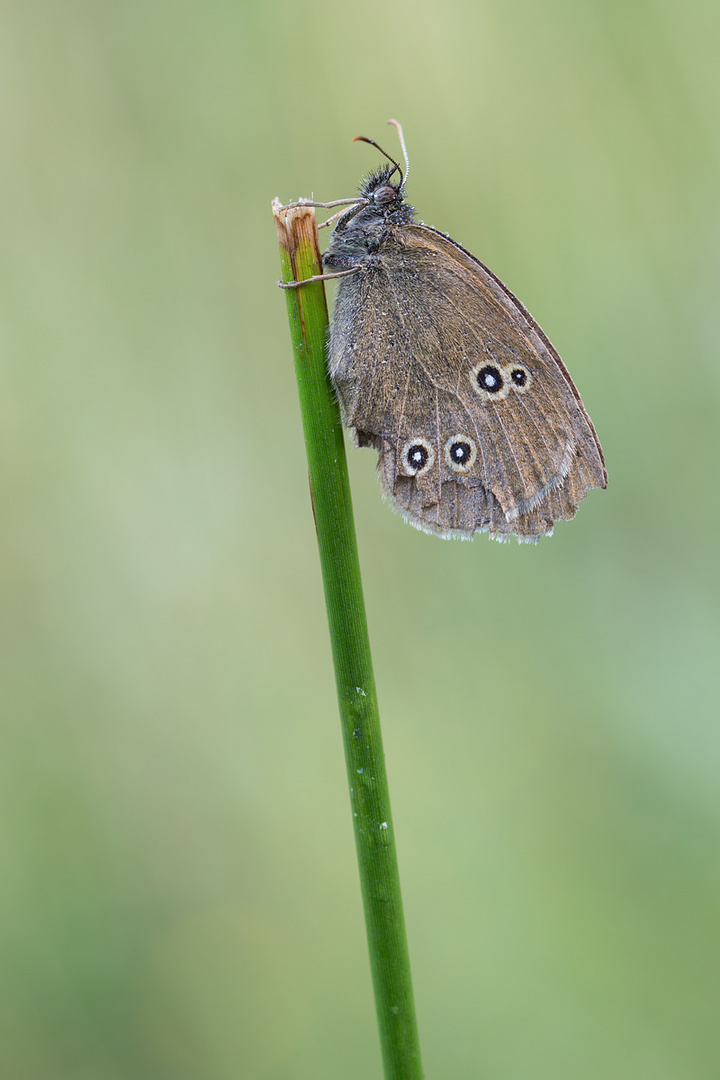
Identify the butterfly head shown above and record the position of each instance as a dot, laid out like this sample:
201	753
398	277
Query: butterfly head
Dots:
383	189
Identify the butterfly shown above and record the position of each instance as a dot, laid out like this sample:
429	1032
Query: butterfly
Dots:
440	368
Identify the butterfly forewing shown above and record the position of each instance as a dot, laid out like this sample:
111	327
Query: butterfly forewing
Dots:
440	368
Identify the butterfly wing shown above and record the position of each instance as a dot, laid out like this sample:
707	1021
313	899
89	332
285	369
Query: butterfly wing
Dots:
478	423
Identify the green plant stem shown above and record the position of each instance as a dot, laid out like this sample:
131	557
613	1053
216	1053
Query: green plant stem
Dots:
332	507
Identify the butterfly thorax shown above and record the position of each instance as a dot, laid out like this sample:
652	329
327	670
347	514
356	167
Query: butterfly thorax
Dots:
360	236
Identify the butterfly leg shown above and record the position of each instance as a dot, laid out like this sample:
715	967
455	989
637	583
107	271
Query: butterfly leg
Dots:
356	205
317	277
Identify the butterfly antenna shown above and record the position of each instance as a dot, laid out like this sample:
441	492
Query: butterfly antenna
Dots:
398	127
364	138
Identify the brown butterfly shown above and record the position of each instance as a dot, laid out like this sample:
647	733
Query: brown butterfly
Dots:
440	368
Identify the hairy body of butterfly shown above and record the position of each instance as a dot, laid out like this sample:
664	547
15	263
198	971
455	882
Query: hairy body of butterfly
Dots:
440	368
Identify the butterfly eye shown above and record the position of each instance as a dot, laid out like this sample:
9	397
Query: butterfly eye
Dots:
521	378
460	453
384	195
417	457
489	382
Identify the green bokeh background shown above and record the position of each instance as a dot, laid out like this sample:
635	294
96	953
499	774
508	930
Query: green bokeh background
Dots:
179	894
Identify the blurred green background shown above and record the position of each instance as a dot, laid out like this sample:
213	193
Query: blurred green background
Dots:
178	889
